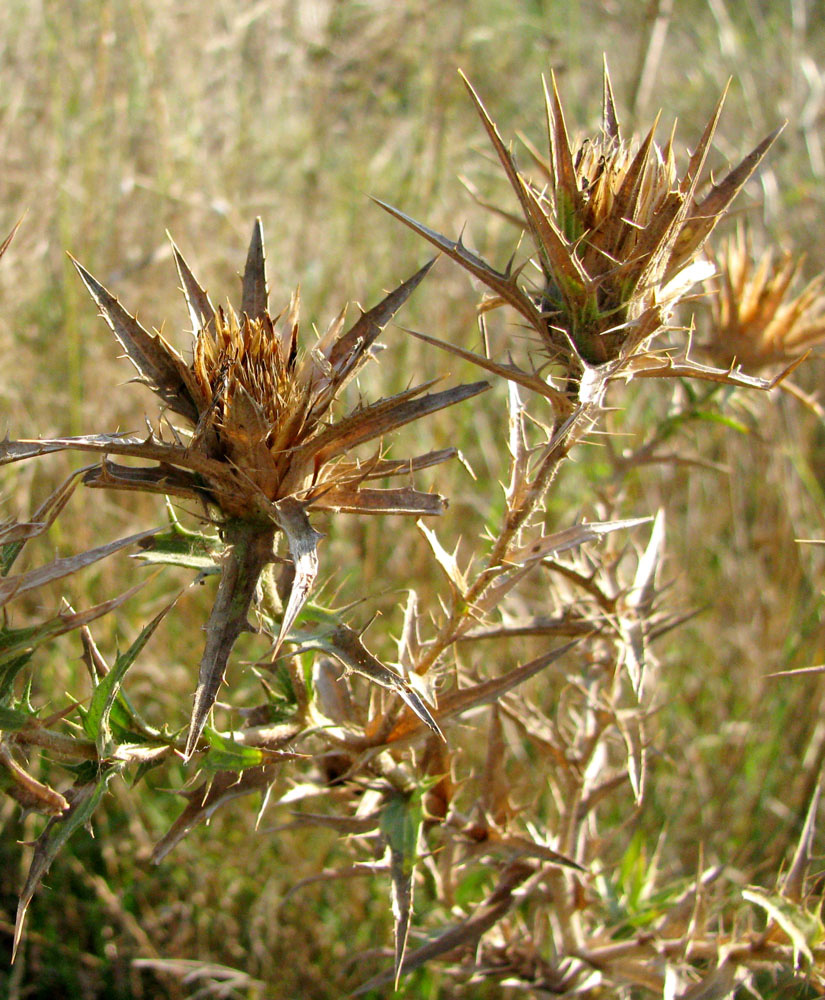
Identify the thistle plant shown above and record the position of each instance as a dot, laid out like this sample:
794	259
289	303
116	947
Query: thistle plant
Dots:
533	795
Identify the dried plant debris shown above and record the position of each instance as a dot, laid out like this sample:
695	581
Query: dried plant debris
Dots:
616	232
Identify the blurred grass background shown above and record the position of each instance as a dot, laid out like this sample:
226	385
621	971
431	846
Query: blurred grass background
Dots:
123	119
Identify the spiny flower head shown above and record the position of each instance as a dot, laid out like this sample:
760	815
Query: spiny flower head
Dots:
757	321
615	231
261	447
258	405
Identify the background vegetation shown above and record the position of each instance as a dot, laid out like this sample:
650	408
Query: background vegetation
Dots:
123	119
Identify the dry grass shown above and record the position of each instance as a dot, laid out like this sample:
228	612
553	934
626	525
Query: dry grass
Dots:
157	116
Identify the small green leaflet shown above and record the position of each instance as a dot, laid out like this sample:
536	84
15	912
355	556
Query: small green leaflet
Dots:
96	722
227	755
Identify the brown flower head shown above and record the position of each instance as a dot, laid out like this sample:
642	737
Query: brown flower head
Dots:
757	321
261	447
258	405
615	230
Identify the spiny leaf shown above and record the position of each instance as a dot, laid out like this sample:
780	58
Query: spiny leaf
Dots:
345	645
83	800
303	547
59	568
484	692
506	158
402	500
610	120
384	416
178	547
5	244
793	886
13	718
16	643
250	549
163	479
503	284
158	364
226	754
401	820
215	472
702	218
15	537
533	382
209	796
29	793
356	342
803	927
96	722
465	934
571	538
201	310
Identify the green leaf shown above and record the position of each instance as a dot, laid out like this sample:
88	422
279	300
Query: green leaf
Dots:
13	718
83	798
401	820
96	722
227	755
8	671
180	547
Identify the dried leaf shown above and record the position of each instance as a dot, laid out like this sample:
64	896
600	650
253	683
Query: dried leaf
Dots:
535	383
26	790
15	536
465	934
201	310
503	284
383	417
403	500
349	352
163	479
158	364
446	560
571	538
345	645
303	548
211	795
484	692
59	568
793	886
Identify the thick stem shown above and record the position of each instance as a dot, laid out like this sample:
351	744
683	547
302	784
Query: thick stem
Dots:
249	550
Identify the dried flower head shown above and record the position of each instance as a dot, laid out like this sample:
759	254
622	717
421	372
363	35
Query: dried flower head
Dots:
261	448
757	321
616	231
258	405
